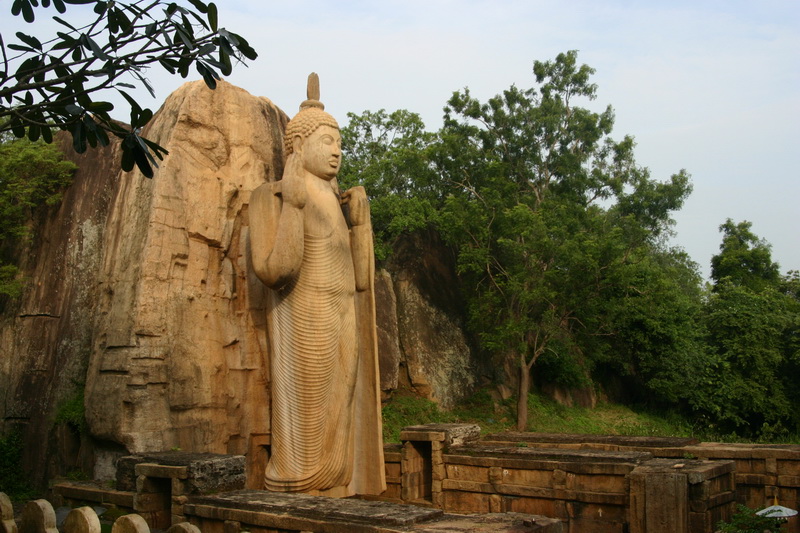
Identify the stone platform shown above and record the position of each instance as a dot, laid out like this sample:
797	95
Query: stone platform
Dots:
263	511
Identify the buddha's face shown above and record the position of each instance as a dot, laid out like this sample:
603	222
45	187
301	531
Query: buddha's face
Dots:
322	152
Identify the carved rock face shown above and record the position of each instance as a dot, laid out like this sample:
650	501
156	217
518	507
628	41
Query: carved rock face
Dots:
144	289
179	358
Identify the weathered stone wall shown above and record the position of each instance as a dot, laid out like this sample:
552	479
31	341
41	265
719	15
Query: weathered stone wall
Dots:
598	490
46	336
179	356
762	471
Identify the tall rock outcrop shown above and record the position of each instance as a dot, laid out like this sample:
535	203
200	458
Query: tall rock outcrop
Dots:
141	295
179	357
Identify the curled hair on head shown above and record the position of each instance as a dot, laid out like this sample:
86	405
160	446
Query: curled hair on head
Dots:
304	124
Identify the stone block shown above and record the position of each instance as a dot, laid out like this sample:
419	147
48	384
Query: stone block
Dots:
450	435
597	512
150	485
598	526
204	472
126	472
179	487
788	467
160	471
533	478
465	502
149	502
538	506
606	484
496	504
392	470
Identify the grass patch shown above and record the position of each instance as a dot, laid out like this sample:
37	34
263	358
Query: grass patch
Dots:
544	416
547	416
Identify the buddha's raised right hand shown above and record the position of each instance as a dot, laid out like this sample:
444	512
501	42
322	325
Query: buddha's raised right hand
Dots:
293	186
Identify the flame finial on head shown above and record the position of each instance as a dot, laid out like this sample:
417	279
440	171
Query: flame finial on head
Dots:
310	117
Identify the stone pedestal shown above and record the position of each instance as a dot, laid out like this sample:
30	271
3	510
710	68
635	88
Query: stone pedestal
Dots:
422	463
163	482
681	496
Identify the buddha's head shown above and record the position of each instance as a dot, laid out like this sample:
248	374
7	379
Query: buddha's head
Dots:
314	135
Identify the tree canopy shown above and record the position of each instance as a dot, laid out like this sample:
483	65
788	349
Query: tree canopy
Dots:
561	240
56	81
32	174
552	221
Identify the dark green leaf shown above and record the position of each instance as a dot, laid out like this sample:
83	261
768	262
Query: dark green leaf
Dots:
201	6
140	157
95	48
25	7
100	107
26	69
78	137
133	103
64	22
17	129
127	158
29	40
212	16
244	47
47	135
59	5
20	48
33	132
157	149
209	75
169	65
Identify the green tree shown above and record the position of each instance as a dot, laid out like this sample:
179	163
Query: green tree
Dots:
753	323
31	174
558	232
389	154
547	212
744	259
53	81
655	309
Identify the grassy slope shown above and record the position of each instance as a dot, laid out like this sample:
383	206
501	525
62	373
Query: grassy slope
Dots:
544	416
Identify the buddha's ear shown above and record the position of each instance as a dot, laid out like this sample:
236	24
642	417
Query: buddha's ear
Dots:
297	143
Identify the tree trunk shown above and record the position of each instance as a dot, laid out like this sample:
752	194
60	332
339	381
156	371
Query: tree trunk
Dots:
522	402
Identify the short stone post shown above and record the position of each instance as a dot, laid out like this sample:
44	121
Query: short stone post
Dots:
130	523
7	524
38	517
184	527
81	520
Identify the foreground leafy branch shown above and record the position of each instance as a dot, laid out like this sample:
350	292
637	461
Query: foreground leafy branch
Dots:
54	83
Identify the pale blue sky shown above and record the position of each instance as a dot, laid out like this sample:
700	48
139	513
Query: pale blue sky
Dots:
709	86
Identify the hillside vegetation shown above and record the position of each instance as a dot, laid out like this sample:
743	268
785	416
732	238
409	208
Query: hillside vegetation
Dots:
561	241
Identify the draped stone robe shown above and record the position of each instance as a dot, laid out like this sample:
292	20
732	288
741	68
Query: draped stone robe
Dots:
326	434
